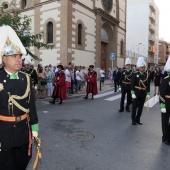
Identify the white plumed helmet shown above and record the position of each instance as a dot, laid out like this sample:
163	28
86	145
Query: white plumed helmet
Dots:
167	65
141	62
10	43
128	61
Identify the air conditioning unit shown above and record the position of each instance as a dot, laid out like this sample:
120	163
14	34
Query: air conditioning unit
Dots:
150	48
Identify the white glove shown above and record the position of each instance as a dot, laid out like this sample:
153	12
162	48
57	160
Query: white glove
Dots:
147	97
133	96
34	134
119	89
163	110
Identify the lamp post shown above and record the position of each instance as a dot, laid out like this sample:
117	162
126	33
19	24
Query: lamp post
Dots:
138	47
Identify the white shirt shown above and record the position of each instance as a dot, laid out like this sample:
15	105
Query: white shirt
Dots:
102	73
56	70
67	74
77	76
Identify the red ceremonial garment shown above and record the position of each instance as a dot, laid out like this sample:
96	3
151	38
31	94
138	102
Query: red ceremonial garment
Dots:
91	79
60	85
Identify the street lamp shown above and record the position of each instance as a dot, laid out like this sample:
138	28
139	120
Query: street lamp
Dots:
138	47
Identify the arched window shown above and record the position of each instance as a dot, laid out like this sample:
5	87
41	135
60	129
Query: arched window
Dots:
49	32
121	48
104	34
80	34
5	6
23	4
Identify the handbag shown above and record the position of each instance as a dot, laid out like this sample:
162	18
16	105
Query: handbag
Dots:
43	82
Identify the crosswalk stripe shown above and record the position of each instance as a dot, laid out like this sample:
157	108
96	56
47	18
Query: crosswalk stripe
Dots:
151	102
113	98
104	94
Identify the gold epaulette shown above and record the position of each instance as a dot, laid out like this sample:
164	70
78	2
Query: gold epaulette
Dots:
24	73
166	77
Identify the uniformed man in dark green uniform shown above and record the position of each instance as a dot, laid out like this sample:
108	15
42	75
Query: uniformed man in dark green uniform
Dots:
140	90
125	86
165	104
18	116
29	70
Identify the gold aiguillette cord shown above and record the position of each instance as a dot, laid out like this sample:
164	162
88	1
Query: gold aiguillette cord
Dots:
39	155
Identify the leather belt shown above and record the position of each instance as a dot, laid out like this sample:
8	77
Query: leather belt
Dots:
167	96
13	118
126	82
140	88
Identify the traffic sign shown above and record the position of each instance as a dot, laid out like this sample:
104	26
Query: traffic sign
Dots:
112	56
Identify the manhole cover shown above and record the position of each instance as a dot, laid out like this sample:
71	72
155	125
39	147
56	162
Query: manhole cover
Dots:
80	136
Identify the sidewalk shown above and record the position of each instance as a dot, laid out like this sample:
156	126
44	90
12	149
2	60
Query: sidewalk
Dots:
107	87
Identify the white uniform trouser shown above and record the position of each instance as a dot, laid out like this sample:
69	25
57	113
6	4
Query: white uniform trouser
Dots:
50	88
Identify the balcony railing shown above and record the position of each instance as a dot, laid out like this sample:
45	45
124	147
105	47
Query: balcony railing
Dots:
152	6
151	38
152	27
152	16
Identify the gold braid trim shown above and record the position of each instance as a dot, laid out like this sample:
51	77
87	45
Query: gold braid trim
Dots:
162	99
13	97
127	77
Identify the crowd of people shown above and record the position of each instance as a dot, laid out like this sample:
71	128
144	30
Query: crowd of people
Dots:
70	79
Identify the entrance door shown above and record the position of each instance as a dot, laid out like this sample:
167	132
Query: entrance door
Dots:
103	55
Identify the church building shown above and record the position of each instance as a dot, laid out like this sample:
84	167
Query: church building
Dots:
83	32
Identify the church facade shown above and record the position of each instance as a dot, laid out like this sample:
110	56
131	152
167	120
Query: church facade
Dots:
83	32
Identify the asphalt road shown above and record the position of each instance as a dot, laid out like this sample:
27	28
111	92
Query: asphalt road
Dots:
102	139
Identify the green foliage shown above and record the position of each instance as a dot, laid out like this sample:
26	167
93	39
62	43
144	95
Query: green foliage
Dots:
19	24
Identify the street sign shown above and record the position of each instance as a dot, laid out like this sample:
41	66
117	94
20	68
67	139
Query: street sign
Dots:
112	56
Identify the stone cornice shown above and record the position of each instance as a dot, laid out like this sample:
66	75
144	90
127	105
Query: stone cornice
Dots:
106	16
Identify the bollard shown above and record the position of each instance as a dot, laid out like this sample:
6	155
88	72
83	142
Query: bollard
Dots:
100	86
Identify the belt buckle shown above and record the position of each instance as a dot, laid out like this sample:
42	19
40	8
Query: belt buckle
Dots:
17	118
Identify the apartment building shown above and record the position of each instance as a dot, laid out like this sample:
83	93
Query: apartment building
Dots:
164	52
142	31
83	32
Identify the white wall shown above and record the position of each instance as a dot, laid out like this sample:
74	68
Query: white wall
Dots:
87	3
83	58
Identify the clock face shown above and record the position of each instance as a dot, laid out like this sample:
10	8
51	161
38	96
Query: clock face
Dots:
107	4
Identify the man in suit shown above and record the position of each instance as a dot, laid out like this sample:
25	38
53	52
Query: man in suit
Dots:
18	116
116	77
165	104
125	86
140	90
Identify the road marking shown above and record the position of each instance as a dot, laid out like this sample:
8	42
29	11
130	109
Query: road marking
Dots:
113	98
103	94
154	100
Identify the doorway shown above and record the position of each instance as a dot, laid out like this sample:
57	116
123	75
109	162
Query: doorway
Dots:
103	55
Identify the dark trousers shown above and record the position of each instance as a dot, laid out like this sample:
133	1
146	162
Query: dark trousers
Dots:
14	158
116	83
165	126
129	99
72	86
137	108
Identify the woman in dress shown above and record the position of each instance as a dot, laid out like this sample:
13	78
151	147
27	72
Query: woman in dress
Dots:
157	79
41	85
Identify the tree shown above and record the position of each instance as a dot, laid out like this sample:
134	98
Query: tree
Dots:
21	24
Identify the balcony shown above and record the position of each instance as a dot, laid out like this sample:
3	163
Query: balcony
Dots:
152	28
151	38
152	6
152	16
150	59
